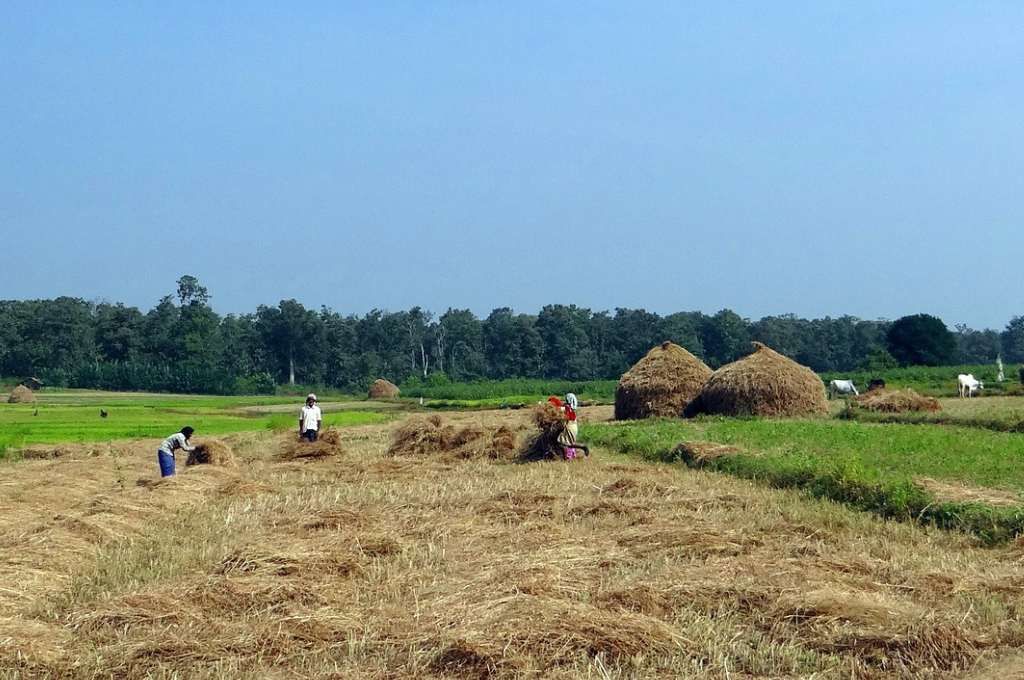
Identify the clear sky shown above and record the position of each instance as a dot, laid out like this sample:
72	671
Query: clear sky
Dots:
819	158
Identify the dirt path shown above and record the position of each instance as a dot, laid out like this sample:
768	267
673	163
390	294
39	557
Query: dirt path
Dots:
370	566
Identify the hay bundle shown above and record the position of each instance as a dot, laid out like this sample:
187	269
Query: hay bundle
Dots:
896	401
383	389
663	383
432	436
699	454
327	445
21	395
211	452
763	383
549	422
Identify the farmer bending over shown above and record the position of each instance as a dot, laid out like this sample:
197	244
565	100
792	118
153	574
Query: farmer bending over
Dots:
310	419
165	454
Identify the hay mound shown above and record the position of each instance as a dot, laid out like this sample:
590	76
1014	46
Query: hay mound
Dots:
432	436
663	383
327	445
896	401
212	452
763	383
698	454
21	395
383	389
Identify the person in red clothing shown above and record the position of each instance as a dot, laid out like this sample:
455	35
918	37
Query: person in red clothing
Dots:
567	439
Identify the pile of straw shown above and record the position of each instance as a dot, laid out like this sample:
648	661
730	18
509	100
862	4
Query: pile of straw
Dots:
212	452
896	401
327	445
763	383
432	436
663	383
699	454
21	395
383	389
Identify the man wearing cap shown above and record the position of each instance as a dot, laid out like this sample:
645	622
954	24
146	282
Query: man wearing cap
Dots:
310	419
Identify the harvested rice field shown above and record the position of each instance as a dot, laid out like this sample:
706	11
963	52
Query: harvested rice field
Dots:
368	564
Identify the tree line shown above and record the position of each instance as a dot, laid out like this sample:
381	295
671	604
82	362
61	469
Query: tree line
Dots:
182	344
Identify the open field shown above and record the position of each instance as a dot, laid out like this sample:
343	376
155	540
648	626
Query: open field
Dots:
75	416
936	381
955	476
376	567
1002	414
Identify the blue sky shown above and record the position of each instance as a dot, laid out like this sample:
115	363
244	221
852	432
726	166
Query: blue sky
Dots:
819	158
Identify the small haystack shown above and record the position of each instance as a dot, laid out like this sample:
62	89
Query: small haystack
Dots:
699	454
212	452
432	436
663	383
383	389
763	383
21	395
327	445
896	401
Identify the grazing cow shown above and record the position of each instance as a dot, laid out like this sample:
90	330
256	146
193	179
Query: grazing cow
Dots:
876	384
841	387
968	385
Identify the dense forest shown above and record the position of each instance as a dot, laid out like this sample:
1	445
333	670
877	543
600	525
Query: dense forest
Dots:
182	344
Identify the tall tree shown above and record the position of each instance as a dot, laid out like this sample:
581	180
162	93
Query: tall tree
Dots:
921	340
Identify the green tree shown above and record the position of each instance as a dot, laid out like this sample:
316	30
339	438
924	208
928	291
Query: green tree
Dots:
291	333
726	337
1012	340
921	340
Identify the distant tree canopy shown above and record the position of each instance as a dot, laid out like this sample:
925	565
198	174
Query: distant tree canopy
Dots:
181	344
921	340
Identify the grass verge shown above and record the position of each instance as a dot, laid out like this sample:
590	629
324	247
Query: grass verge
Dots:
871	467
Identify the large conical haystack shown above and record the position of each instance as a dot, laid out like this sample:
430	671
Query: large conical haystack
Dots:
764	383
383	389
21	395
660	384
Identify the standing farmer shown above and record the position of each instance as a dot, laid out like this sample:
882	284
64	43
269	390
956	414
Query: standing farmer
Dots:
165	454
310	419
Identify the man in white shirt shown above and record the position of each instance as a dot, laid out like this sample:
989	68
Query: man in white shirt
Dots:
310	419
165	454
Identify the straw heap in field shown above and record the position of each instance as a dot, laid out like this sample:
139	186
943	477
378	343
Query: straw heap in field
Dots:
383	389
763	383
21	395
327	444
211	452
432	436
698	454
660	384
896	401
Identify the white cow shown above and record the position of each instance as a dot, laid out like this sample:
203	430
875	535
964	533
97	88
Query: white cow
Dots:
968	385
841	387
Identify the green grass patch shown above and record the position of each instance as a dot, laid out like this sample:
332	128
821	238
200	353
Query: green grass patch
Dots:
935	381
524	390
75	417
868	466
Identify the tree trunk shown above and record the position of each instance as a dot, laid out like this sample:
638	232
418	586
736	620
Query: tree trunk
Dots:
291	368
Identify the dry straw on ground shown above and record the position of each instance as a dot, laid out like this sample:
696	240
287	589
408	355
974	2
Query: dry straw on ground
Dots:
698	454
896	401
763	383
327	445
402	568
21	395
212	452
660	384
953	492
383	389
433	437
